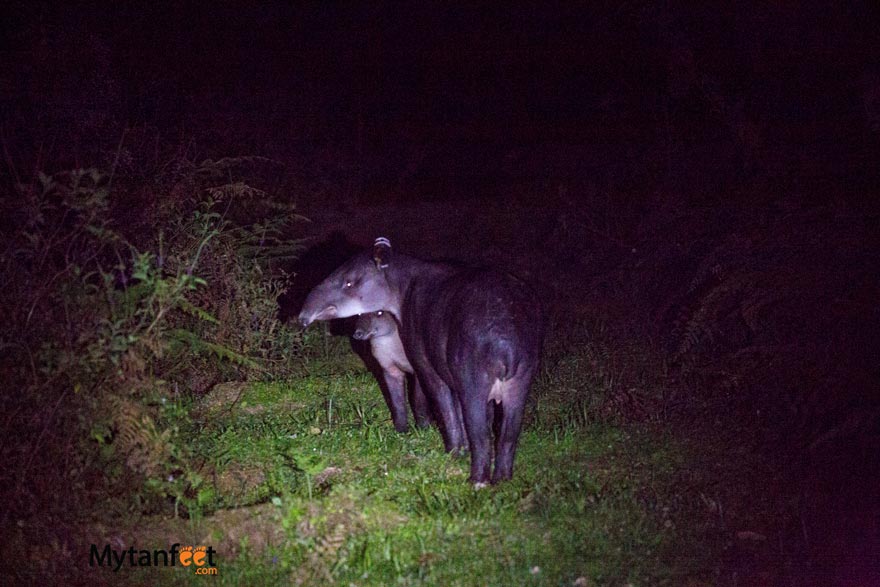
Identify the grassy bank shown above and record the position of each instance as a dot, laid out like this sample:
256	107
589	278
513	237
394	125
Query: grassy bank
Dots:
338	497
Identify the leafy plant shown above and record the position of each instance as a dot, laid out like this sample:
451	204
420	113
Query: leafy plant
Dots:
112	322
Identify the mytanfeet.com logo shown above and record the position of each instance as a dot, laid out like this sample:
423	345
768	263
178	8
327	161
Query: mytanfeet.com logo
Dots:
197	558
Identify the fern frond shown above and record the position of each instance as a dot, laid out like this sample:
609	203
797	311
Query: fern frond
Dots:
238	189
197	312
147	450
201	346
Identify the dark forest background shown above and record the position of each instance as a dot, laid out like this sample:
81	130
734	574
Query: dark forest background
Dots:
464	100
700	179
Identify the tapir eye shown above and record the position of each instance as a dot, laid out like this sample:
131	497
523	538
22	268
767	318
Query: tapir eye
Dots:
379	313
348	284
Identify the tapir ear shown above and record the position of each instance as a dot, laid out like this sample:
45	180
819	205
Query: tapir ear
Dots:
382	252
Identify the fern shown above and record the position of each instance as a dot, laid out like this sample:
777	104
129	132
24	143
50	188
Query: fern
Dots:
197	312
116	307
199	345
146	449
238	189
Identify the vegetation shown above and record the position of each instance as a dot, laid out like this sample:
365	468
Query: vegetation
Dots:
160	388
108	327
331	494
692	190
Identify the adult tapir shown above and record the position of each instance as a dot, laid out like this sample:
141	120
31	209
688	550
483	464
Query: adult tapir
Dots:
380	329
473	336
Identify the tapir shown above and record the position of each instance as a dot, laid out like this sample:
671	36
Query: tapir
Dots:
380	329
473	336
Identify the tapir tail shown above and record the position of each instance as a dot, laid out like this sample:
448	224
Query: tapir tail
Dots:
499	370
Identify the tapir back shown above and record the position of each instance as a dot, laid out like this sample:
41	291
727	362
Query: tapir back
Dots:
474	321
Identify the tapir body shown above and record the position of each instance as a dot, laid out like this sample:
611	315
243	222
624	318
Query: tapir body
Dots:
380	329
473	336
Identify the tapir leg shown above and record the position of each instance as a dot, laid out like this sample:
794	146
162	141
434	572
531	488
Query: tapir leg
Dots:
419	404
474	408
396	398
460	416
444	404
507	434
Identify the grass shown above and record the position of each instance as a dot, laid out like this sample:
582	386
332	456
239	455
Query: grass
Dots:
312	485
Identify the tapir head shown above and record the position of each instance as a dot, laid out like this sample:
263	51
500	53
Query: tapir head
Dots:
373	325
359	286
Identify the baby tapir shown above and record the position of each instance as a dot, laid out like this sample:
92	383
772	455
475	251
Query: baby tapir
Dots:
380	329
473	337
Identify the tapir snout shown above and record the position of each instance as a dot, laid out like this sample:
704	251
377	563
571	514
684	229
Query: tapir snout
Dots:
327	313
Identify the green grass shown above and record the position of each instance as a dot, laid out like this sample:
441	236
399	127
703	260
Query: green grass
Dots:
328	493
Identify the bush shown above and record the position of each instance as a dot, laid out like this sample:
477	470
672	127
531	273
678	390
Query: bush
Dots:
112	325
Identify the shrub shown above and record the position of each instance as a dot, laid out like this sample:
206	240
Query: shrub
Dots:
111	325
